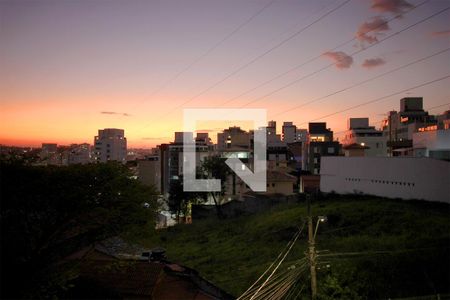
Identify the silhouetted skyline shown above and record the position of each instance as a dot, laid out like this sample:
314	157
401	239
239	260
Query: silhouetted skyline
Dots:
71	67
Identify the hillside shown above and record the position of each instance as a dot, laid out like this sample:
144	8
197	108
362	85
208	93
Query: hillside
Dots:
398	248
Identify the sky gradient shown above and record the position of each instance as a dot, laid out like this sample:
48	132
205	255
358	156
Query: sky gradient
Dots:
69	68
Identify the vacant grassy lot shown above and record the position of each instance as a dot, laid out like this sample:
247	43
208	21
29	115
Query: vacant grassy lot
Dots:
398	248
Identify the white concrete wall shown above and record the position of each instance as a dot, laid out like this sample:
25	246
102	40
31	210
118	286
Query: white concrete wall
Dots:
392	177
432	140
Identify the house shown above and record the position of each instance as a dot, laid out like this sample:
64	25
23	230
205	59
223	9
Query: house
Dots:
104	273
280	183
309	183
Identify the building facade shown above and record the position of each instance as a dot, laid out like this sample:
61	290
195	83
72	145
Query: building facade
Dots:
359	132
171	157
292	134
392	177
79	154
233	138
110	145
398	127
433	141
319	144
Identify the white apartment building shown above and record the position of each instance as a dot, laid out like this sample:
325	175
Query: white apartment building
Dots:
432	143
359	132
110	145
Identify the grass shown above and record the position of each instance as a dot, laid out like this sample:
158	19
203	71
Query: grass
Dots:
414	238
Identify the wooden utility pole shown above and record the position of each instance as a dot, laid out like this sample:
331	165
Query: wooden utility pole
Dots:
311	250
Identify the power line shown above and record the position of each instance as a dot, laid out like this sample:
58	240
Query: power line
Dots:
278	265
380	252
279	283
379	99
210	50
275	282
258	57
314	58
364	81
293	239
351	55
380	120
354	53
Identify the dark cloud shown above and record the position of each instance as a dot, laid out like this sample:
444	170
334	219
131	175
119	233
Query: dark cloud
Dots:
340	59
368	31
373	62
114	113
392	6
444	33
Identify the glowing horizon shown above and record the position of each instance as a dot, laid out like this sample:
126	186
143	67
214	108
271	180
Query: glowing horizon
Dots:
71	68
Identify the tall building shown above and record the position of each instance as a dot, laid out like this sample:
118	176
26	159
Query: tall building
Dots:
369	140
149	171
434	140
233	138
320	143
48	149
49	154
271	128
79	154
171	157
288	130
292	134
399	127
110	145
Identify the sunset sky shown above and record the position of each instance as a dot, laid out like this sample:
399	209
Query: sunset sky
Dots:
69	68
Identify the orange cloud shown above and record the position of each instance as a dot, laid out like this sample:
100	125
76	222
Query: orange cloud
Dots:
340	59
444	33
392	6
367	31
373	63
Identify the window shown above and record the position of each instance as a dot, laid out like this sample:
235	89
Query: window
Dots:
316	160
316	149
330	150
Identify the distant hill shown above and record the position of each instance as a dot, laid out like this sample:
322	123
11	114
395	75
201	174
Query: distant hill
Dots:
376	248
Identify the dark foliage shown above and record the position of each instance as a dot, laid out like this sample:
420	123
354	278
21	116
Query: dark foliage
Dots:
48	213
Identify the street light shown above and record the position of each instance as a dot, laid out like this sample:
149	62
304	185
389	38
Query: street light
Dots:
319	219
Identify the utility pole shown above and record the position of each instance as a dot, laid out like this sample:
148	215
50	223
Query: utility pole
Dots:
311	250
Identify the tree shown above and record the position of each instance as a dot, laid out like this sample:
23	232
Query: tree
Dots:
50	212
179	200
215	167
